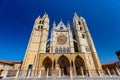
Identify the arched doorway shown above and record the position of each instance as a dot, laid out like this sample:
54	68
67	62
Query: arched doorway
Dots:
48	65
80	66
64	65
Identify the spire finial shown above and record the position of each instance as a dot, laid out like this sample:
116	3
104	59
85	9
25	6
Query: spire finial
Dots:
61	19
76	15
39	16
54	24
45	12
68	25
45	15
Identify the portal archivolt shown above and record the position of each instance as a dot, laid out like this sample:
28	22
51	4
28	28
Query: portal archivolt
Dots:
64	65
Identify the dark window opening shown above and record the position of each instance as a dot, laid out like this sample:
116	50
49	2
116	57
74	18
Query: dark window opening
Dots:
41	27
68	50
80	28
83	36
60	50
79	23
56	50
64	50
61	28
76	47
72	63
38	27
42	22
54	63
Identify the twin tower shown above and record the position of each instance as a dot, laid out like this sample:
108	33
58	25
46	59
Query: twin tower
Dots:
67	52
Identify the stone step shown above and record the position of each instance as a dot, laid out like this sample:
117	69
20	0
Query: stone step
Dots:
65	78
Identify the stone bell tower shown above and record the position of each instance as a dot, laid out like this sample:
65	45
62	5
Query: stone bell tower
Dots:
85	43
37	42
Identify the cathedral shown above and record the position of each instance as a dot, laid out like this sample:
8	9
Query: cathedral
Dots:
69	51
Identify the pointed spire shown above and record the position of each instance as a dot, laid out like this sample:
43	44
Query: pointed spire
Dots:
81	17
54	24
45	12
45	15
68	25
38	16
61	22
37	19
76	15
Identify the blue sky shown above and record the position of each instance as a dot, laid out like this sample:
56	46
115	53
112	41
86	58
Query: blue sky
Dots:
17	19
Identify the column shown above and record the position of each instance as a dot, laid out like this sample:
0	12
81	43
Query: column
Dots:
117	71
82	72
5	73
89	73
108	72
29	71
39	74
47	72
71	72
99	74
74	68
59	72
63	72
53	69
17	74
114	72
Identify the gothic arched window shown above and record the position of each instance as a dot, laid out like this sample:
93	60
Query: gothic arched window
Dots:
56	50
42	22
61	28
38	27
80	28
68	50
64	50
79	23
60	50
83	35
41	27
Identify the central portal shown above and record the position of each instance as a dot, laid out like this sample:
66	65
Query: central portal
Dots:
64	65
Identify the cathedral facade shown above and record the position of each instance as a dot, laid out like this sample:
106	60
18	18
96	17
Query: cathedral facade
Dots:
69	51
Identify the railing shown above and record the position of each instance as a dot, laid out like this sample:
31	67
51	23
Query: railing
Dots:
106	73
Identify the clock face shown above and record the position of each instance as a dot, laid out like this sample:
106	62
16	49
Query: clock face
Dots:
61	39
